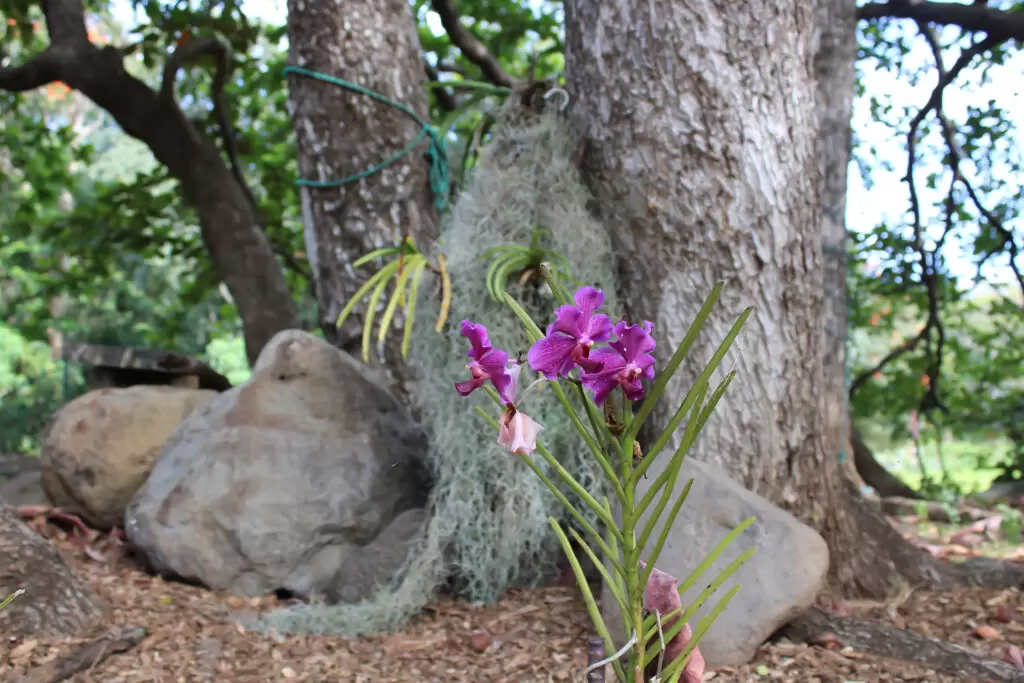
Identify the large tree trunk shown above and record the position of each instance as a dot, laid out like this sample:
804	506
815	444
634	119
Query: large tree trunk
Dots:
705	151
342	133
231	229
55	602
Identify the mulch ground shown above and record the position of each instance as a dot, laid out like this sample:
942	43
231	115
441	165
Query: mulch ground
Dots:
536	635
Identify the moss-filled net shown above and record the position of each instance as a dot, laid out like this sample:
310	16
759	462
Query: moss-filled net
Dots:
488	528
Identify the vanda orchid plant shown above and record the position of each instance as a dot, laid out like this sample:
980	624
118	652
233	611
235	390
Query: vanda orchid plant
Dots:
609	368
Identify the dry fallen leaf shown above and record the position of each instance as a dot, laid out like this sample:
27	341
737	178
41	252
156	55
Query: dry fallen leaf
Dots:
479	640
1012	655
24	649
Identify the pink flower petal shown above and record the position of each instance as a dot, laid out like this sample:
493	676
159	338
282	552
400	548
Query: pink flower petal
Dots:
518	433
550	355
588	299
479	342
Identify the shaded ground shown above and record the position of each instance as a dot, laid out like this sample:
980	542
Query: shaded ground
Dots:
537	635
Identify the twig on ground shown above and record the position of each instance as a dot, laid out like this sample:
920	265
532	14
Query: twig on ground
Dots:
85	657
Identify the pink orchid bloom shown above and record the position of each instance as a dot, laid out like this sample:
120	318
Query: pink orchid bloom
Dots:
518	432
487	363
661	595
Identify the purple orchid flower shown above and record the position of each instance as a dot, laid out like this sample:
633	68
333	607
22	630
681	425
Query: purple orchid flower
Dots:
488	364
623	362
569	339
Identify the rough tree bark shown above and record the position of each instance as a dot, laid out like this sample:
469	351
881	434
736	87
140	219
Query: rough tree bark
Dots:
835	52
56	602
230	226
342	133
704	151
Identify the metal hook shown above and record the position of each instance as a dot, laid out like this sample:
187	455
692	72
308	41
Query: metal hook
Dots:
558	91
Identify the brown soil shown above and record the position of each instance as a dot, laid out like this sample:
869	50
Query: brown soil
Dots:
537	635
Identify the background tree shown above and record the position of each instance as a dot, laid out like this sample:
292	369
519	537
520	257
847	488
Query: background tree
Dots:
228	217
344	134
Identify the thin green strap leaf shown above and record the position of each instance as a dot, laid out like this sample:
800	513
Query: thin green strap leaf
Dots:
591	441
597	421
675	668
705	414
613	585
371	307
531	327
709	369
578	489
389	312
613	546
677	358
706	563
588	597
383	273
674	465
500	271
587	526
681	617
508	267
670	429
666	529
410	313
668	476
376	253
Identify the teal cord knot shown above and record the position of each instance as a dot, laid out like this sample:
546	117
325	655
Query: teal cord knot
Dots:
437	153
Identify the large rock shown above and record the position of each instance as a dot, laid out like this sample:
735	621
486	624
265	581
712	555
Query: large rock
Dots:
56	601
778	583
282	482
99	448
21	481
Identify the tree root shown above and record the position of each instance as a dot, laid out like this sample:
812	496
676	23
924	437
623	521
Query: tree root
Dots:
85	657
898	506
884	640
873	472
986	572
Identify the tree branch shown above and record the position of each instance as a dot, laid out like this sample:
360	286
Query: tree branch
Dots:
470	45
976	17
929	277
35	73
229	222
445	99
65	22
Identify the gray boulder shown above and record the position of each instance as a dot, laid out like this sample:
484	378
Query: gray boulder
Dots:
778	583
281	482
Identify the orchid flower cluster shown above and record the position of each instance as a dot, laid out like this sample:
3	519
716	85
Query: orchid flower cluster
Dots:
582	351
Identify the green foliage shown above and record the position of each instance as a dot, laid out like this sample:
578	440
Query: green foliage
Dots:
32	386
924	337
